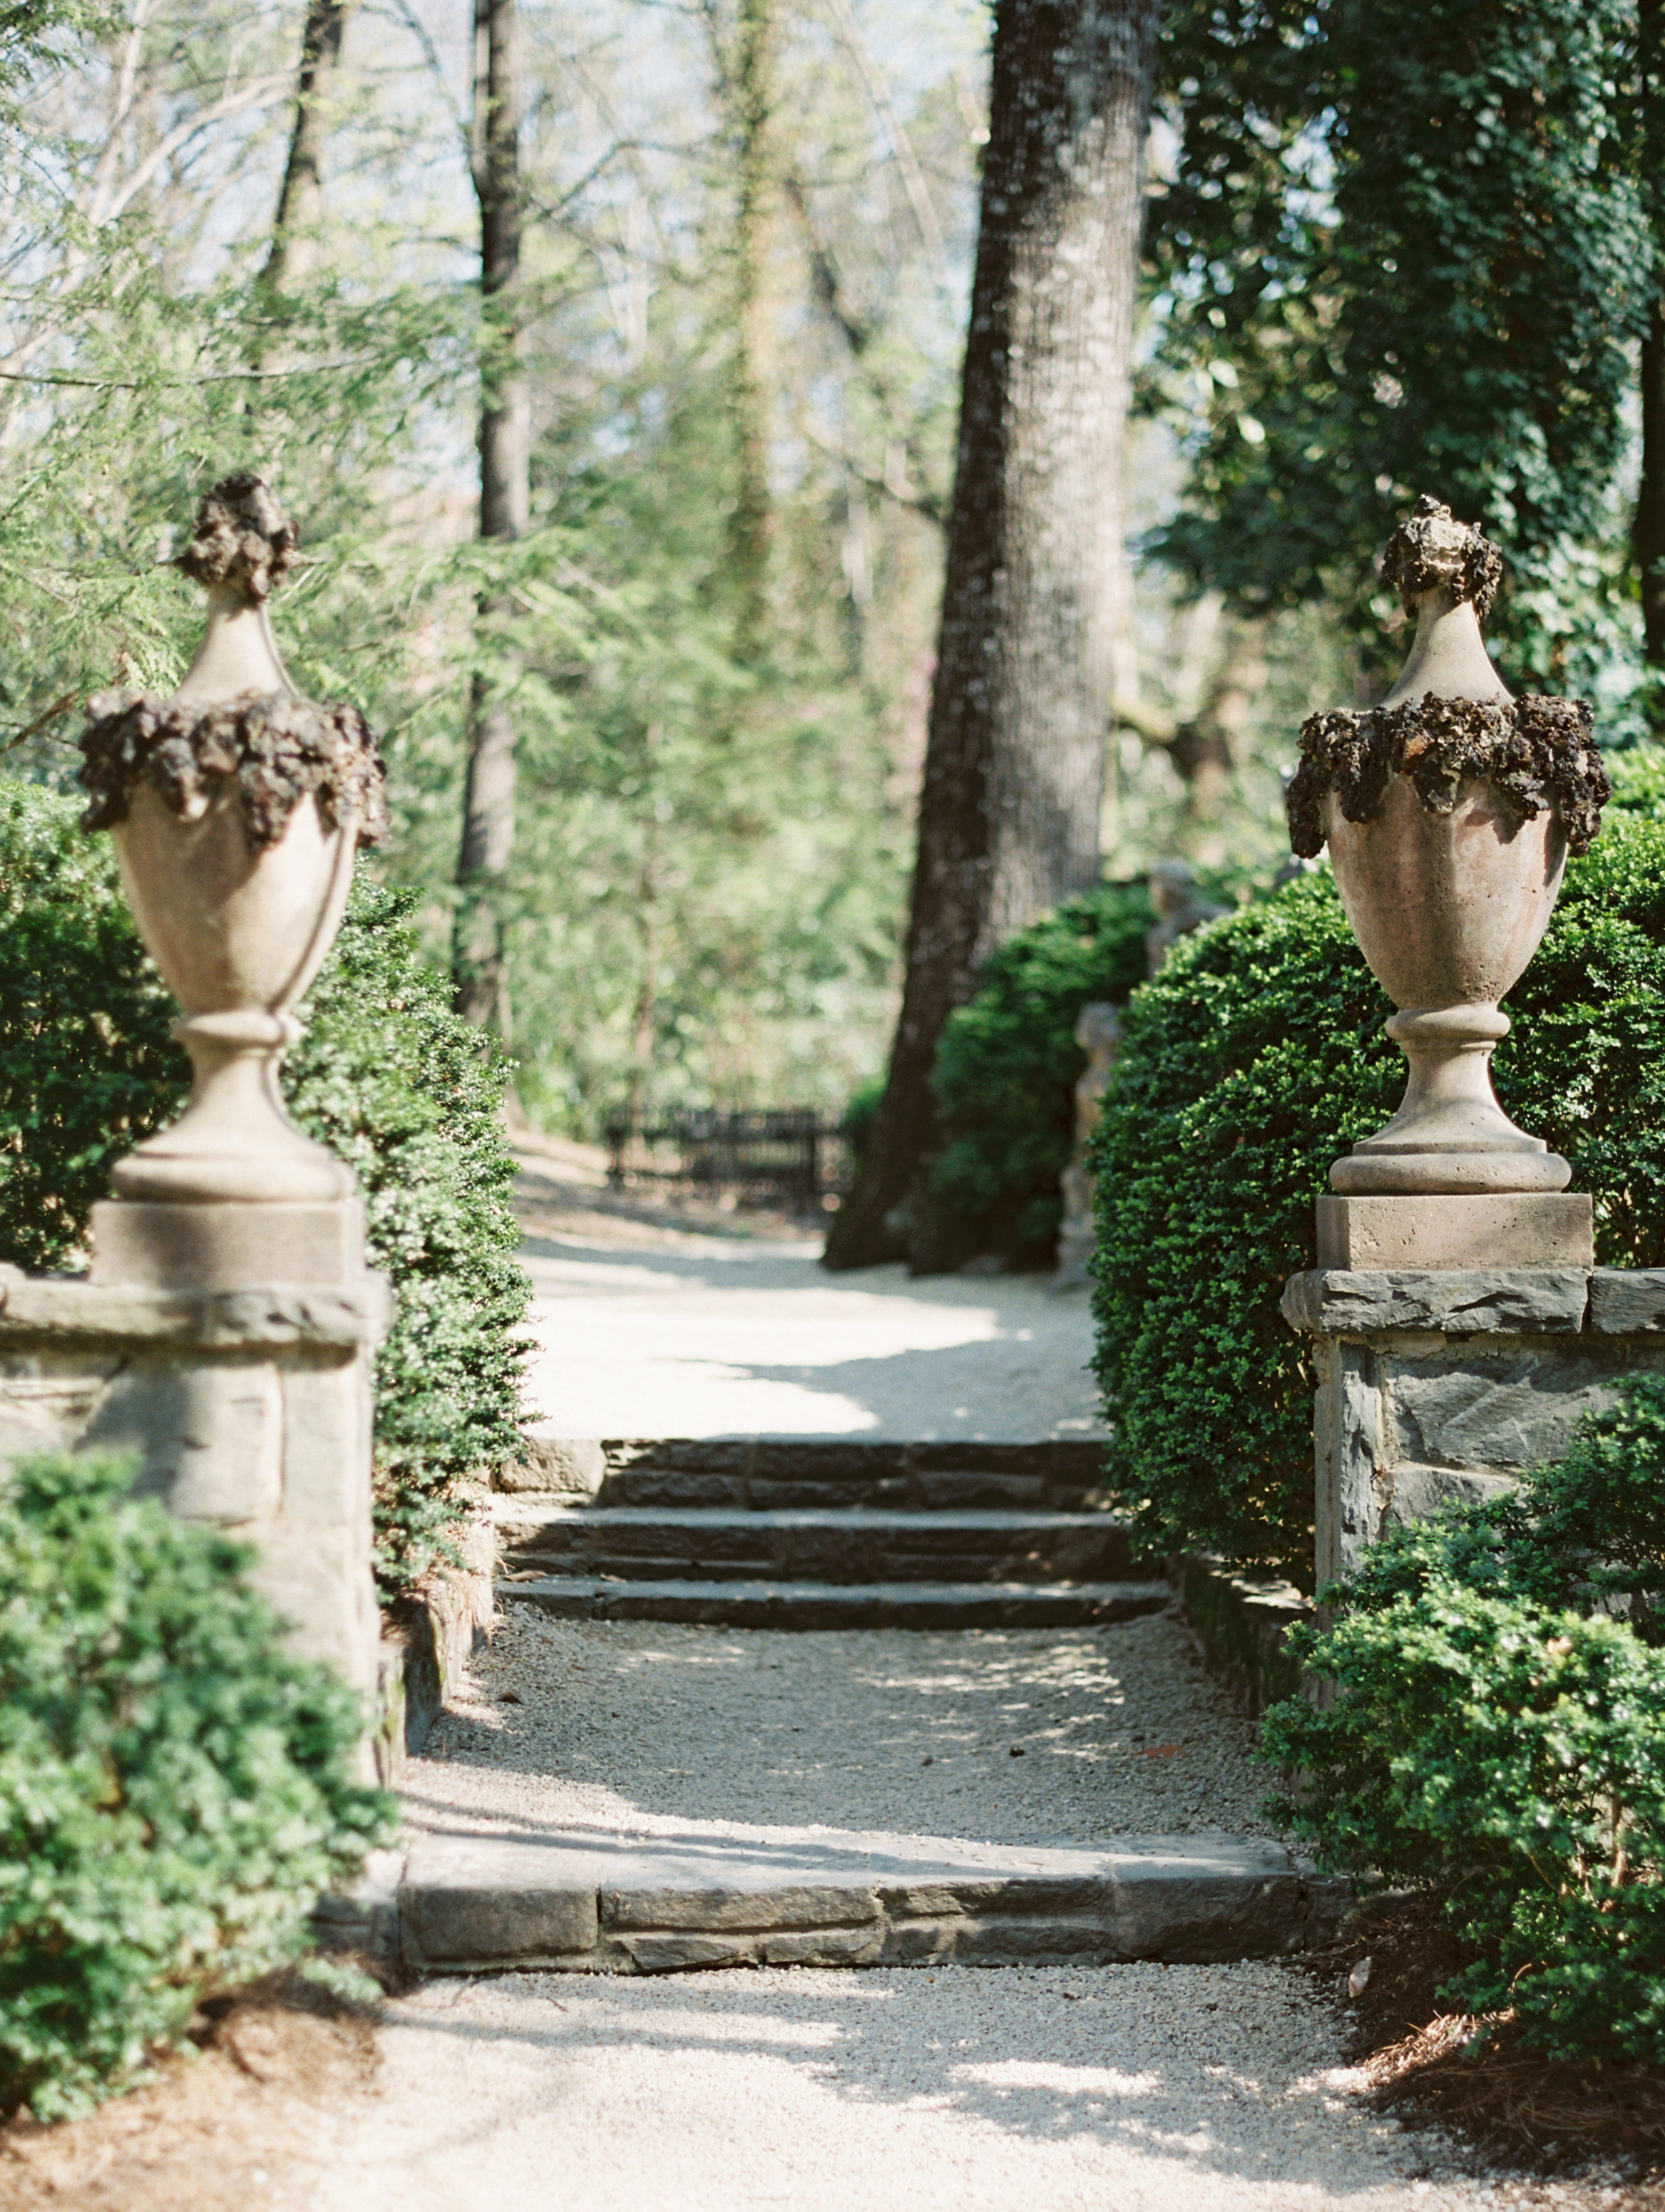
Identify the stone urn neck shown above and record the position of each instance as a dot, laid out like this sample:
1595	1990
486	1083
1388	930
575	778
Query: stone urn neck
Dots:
238	654
1448	658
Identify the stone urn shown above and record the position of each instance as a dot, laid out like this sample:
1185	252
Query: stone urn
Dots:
236	807
1450	812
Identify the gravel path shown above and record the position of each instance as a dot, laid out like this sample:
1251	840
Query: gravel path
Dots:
647	1728
698	1335
1124	2089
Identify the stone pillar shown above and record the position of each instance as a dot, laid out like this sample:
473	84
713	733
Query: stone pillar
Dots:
1460	1326
226	1331
247	1410
1442	1386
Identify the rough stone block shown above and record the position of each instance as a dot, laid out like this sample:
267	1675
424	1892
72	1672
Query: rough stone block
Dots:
1187	1900
209	1436
468	1899
1627	1301
48	1395
1029	1939
1516	1408
751	1909
1509	1229
160	1246
328	1415
825	1947
1456	1301
1411	1492
569	1467
679	1955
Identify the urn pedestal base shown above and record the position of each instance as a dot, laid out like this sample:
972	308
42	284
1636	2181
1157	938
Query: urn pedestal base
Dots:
247	1410
1494	1229
221	1247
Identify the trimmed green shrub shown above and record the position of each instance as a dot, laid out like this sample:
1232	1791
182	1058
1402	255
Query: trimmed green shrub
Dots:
1248	1064
1005	1073
387	1077
87	1065
174	1792
1489	1738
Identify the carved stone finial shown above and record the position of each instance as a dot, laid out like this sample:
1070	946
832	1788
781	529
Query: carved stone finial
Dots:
242	537
1449	722
236	722
1431	550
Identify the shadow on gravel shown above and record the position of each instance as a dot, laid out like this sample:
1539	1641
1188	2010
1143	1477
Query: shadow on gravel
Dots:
1207	2069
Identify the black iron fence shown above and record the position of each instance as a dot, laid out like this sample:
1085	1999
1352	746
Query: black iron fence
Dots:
789	1158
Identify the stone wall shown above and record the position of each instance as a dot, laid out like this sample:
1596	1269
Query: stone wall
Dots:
1444	1385
247	1410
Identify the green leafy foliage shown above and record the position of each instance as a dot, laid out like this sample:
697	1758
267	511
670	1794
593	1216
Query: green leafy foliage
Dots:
1404	251
174	1792
1489	1737
1248	1064
1005	1071
87	1065
398	1087
387	1077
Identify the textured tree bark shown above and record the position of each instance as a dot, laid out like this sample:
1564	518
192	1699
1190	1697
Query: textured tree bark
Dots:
293	249
479	973
1009	816
753	97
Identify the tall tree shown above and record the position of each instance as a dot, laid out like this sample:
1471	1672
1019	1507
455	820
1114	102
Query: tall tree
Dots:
1009	814
753	102
300	197
479	969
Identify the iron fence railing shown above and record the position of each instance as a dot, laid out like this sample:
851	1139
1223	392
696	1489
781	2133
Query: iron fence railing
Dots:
786	1157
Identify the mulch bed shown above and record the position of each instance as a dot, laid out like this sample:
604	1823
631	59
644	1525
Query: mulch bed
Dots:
1474	2077
271	2073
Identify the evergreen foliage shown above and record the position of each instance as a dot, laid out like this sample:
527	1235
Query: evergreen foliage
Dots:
1495	1732
174	1792
1404	251
1248	1064
387	1077
680	784
1005	1071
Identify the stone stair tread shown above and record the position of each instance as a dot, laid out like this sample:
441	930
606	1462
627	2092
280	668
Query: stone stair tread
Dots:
599	1900
516	1510
767	1604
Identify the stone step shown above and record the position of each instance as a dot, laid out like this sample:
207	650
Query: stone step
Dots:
594	1901
806	1605
773	1473
857	1545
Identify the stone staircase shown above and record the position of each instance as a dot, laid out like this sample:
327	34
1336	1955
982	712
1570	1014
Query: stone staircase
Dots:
816	1532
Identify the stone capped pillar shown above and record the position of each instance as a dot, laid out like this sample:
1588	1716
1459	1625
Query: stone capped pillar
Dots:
226	1332
1458	1326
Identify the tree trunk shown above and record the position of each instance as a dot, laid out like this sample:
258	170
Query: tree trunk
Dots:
1009	816
293	249
749	526
1648	529
479	972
